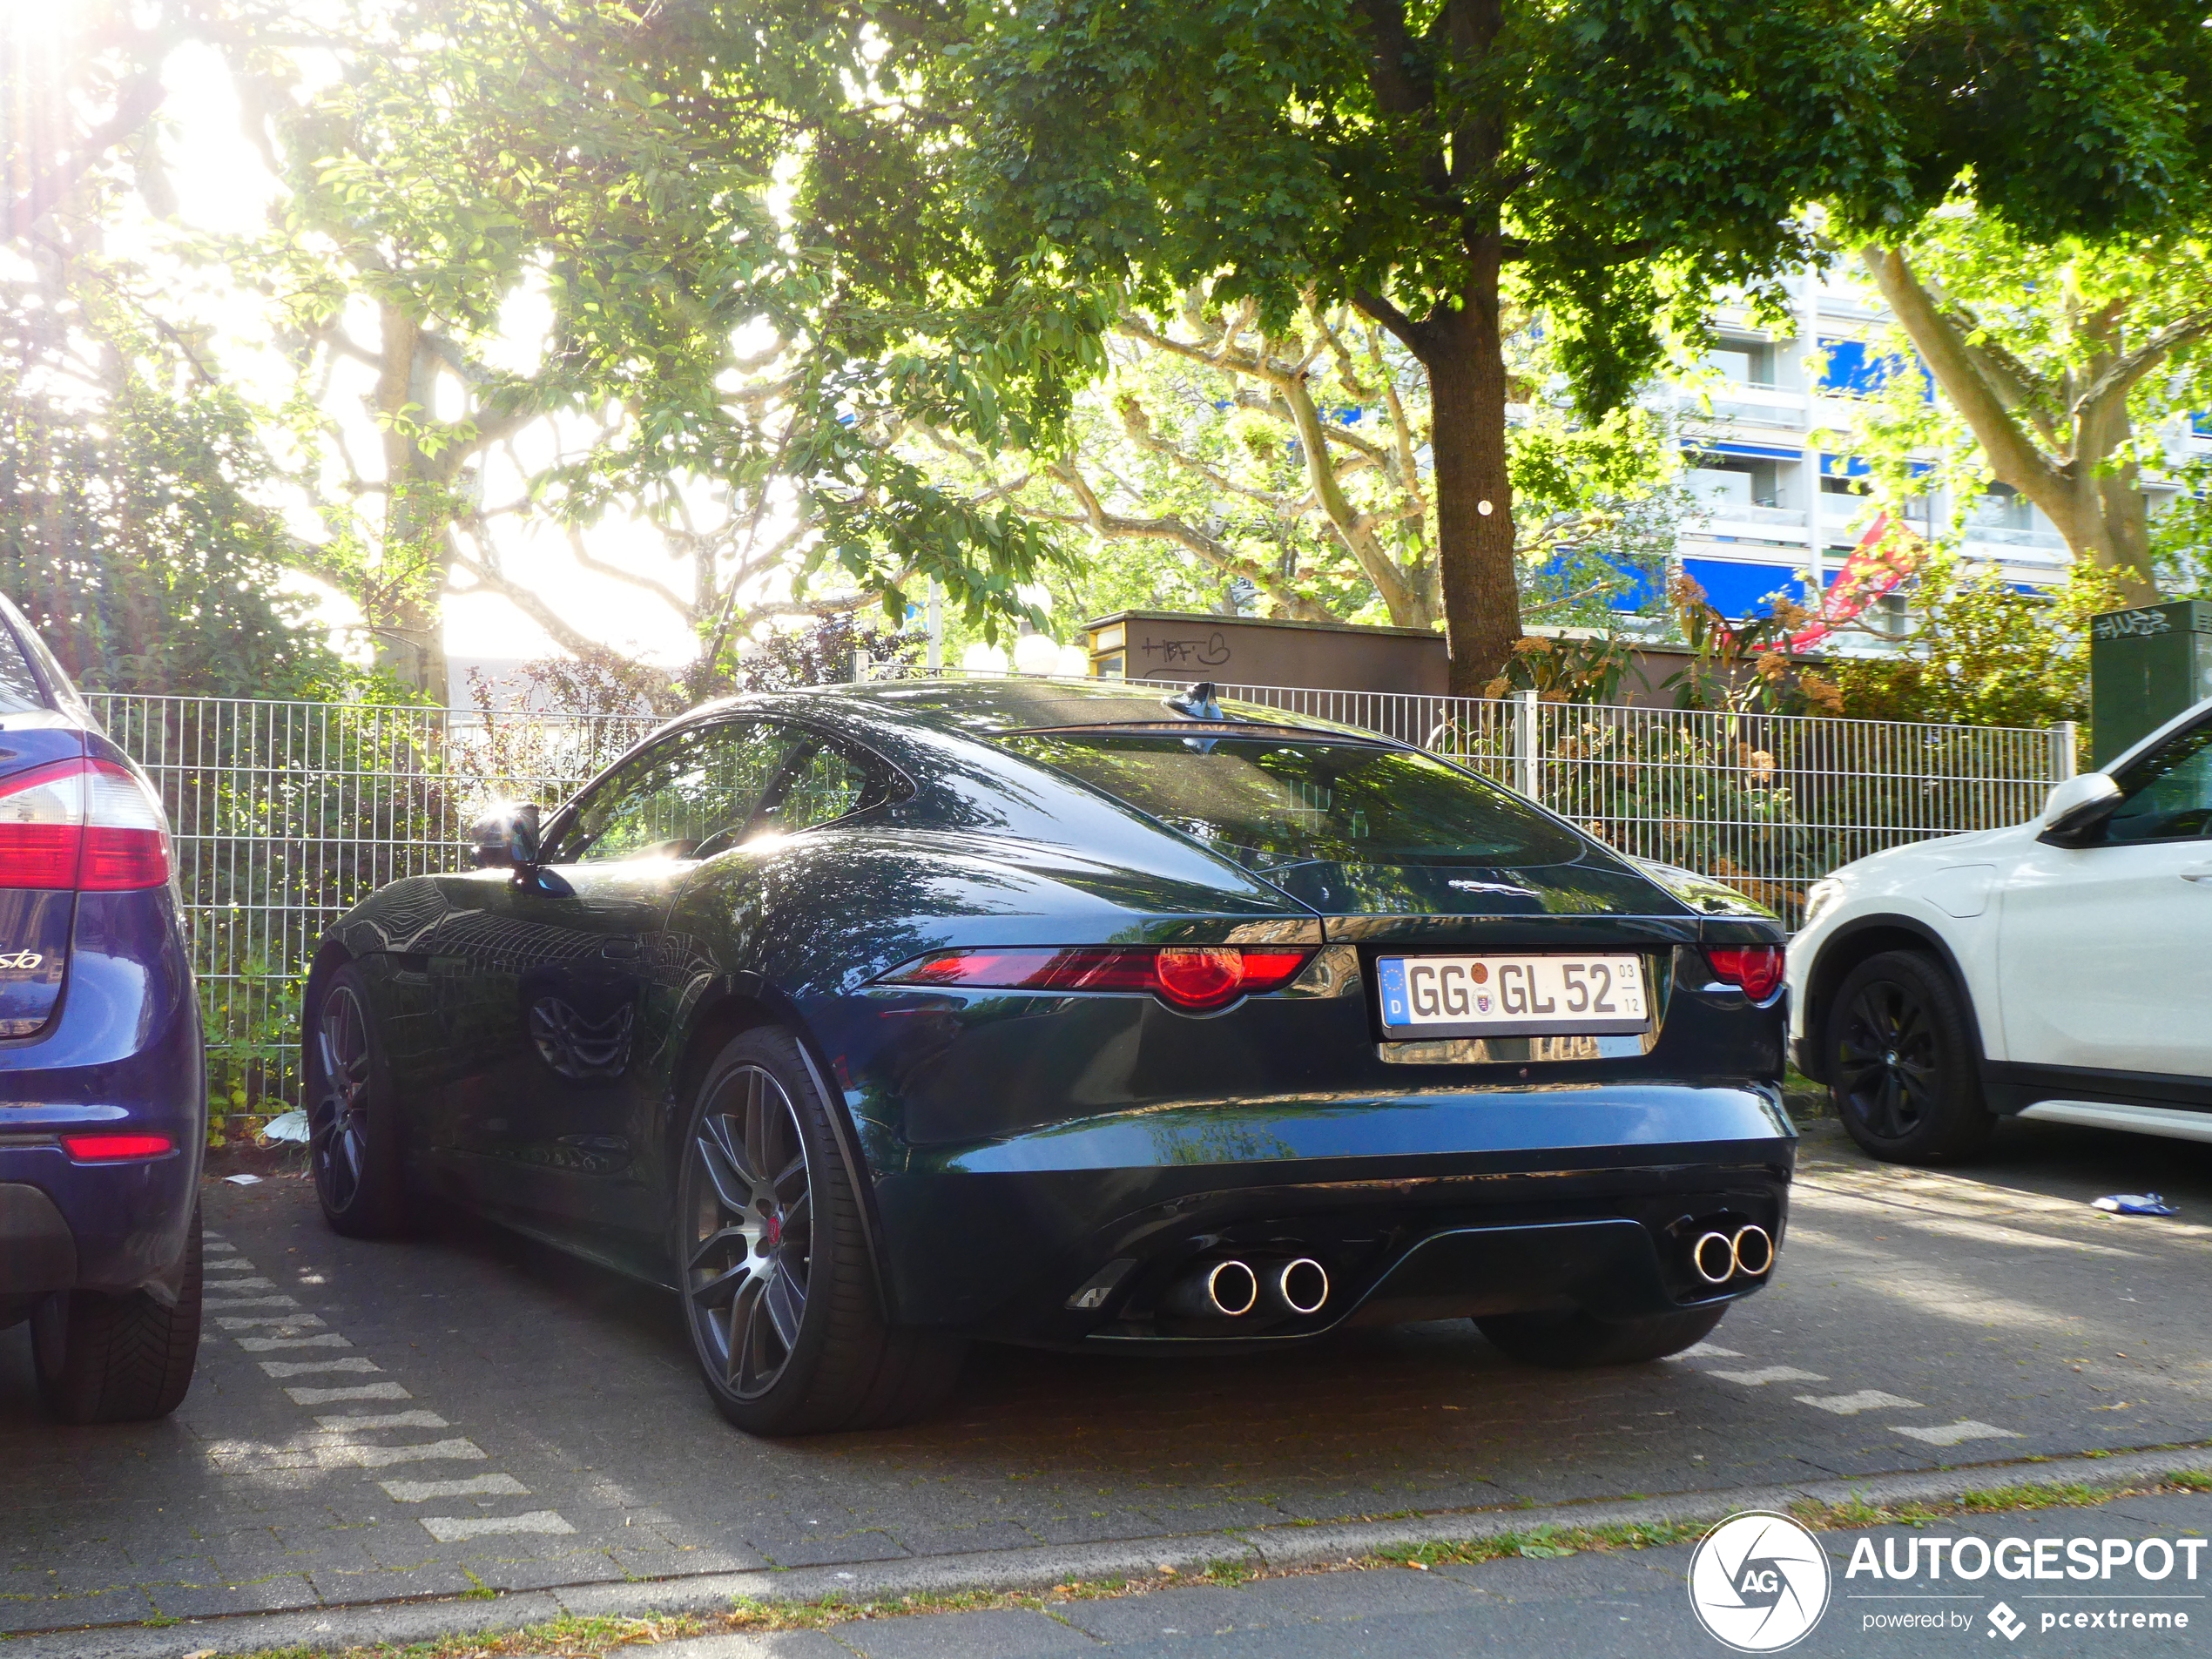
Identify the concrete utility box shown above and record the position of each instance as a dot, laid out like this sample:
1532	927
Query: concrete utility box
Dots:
1245	650
2145	667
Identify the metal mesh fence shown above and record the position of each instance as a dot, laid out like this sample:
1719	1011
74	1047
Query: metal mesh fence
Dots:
1766	803
286	814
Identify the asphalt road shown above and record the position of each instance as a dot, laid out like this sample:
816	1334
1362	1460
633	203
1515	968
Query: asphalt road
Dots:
467	1410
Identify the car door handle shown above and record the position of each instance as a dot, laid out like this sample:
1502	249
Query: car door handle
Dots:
2201	872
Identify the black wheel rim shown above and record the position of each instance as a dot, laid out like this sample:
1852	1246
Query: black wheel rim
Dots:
1887	1059
338	1129
749	1247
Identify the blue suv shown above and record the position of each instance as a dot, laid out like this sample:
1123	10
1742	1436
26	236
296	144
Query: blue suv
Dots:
103	1080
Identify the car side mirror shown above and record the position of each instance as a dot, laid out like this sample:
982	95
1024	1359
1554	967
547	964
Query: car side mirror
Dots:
506	837
2079	804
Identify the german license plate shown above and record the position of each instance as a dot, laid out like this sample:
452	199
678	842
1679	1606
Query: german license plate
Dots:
1504	996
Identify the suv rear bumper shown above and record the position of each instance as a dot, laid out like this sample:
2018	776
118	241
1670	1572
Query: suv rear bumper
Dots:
123	1054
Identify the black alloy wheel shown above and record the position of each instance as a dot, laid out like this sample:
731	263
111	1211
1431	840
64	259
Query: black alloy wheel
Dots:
752	1221
353	1137
1901	1061
771	1254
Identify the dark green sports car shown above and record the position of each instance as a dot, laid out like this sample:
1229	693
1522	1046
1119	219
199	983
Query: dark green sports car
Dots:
873	1020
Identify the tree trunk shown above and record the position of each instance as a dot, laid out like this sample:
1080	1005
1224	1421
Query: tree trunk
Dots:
2101	518
1466	377
410	636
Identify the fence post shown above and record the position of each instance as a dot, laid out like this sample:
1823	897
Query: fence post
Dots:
1524	743
2066	755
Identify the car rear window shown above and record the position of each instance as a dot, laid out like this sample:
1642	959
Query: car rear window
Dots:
19	692
1272	802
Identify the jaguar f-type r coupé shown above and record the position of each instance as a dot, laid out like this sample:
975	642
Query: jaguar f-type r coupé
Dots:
873	1020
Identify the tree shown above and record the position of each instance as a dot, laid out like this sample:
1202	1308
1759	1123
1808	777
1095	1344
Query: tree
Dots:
131	532
1618	157
2064	362
1982	652
697	375
2050	265
1294	470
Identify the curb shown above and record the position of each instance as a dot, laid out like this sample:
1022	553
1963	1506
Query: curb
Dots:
1268	1548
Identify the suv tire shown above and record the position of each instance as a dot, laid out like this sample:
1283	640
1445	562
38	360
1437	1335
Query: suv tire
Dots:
1899	1052
125	1358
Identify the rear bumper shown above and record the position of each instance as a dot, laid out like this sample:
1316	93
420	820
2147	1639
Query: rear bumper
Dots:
1429	1205
123	1054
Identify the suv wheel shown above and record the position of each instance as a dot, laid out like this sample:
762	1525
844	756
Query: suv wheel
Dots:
119	1358
778	1292
1900	1055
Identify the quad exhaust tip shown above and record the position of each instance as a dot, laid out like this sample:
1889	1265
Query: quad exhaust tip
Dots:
1233	1289
1719	1257
1714	1256
1752	1251
1303	1286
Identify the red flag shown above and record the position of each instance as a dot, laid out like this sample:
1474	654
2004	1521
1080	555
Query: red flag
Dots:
1881	560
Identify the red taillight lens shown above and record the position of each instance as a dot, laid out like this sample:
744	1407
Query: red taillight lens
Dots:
126	843
1754	969
111	1149
85	824
41	827
1190	977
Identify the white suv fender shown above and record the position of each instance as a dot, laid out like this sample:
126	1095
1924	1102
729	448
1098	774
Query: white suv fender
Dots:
1934	896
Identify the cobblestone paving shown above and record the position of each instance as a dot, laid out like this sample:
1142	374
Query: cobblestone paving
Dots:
468	1410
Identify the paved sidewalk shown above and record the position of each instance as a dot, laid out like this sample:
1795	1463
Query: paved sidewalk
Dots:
1632	1604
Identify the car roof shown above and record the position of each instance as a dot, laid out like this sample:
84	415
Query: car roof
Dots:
983	707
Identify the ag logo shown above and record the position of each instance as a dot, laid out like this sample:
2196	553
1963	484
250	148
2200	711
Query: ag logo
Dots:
1758	1582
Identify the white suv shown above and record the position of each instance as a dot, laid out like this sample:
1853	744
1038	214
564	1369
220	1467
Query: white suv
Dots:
2058	970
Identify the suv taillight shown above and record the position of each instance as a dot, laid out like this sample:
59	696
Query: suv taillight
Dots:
89	825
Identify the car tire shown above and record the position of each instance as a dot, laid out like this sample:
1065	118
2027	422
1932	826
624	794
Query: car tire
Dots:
1570	1341
1900	1057
772	1258
353	1134
126	1358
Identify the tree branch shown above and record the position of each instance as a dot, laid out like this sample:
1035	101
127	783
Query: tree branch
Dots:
1942	342
133	107
1222	557
1355	529
660	591
1415	335
2117	382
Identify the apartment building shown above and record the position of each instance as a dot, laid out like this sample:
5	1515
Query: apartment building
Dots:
1777	505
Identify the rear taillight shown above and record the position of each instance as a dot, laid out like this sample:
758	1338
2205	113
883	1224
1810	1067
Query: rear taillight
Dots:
1754	969
85	824
114	1148
1188	977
